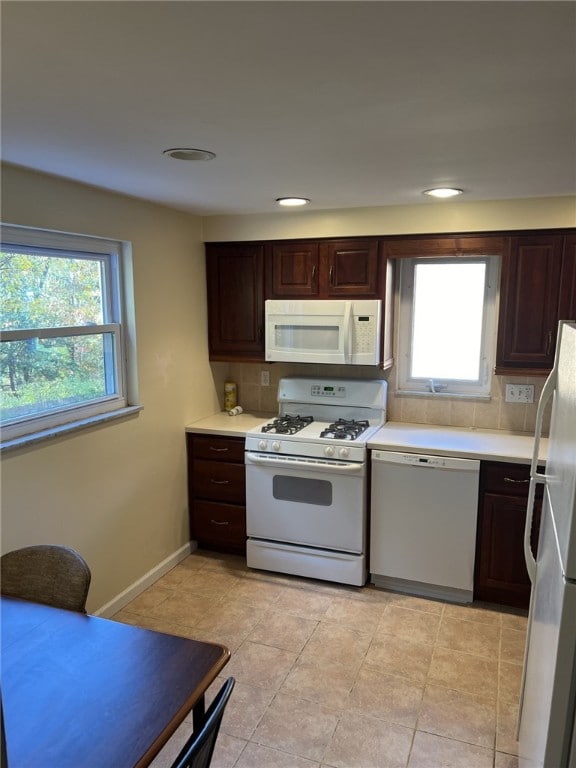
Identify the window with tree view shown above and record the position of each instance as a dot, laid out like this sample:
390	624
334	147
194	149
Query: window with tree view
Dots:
61	356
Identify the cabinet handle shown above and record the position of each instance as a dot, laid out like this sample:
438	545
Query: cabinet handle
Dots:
331	274
511	480
219	522
549	343
219	482
313	273
218	450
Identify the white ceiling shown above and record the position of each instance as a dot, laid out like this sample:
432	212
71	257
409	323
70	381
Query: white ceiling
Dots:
349	103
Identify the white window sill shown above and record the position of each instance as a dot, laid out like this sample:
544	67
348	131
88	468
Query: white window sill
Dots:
452	395
74	426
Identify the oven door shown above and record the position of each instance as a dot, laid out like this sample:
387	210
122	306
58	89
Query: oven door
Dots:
310	502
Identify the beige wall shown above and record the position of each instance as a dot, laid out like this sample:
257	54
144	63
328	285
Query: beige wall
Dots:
433	216
117	492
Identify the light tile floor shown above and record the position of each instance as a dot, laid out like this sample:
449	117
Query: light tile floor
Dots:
329	676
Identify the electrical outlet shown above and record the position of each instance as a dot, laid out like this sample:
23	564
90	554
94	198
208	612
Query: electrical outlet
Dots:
519	393
265	378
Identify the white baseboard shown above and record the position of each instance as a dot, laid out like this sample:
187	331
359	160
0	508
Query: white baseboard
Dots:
143	583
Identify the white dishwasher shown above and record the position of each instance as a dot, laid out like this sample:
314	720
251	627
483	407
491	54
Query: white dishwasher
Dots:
423	524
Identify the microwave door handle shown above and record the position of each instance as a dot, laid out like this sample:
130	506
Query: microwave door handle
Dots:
347	332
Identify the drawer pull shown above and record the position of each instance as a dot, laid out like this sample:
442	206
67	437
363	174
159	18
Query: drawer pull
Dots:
511	480
218	450
219	522
219	482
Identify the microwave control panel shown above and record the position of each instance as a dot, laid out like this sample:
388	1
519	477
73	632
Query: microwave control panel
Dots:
364	333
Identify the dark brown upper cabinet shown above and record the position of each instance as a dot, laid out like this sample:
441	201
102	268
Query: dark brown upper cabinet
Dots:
330	269
537	290
235	287
437	247
567	308
351	269
293	270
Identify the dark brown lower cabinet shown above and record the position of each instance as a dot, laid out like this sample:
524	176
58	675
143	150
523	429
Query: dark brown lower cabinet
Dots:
217	492
500	572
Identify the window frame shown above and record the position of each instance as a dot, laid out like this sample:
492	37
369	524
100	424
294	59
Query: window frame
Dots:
115	259
448	387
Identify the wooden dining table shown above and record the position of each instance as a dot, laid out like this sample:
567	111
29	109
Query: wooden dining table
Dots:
86	692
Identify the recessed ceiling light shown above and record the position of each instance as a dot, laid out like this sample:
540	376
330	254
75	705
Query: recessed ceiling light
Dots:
443	192
185	153
292	201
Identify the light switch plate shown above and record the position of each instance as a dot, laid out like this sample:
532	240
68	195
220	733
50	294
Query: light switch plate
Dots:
519	393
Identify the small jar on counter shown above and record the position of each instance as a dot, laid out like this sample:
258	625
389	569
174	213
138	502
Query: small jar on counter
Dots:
230	395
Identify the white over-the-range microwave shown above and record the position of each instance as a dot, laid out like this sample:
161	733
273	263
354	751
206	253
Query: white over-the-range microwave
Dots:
323	331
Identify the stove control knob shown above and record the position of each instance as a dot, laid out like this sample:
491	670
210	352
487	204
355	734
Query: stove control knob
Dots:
329	451
275	445
344	453
263	445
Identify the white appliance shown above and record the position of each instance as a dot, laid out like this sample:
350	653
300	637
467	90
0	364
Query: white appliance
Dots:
306	479
423	524
333	331
547	734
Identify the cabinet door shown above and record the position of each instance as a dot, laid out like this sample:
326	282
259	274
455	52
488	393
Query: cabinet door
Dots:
501	575
235	281
567	308
529	303
293	270
350	269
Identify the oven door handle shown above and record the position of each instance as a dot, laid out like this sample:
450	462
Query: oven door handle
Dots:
304	464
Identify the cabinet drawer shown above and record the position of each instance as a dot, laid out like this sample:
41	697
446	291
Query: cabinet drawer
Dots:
220	480
219	523
219	449
511	479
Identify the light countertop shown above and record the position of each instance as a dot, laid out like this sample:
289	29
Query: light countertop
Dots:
491	445
232	426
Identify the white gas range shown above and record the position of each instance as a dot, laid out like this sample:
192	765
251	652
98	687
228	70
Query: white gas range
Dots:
306	483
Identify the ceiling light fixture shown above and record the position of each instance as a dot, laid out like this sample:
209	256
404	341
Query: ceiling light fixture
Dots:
185	153
443	192
292	201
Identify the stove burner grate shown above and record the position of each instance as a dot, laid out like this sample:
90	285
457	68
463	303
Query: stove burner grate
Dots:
288	425
345	429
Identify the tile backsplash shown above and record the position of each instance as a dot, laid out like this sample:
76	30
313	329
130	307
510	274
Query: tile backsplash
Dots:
444	411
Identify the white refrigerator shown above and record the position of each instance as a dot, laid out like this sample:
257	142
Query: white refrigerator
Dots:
547	732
